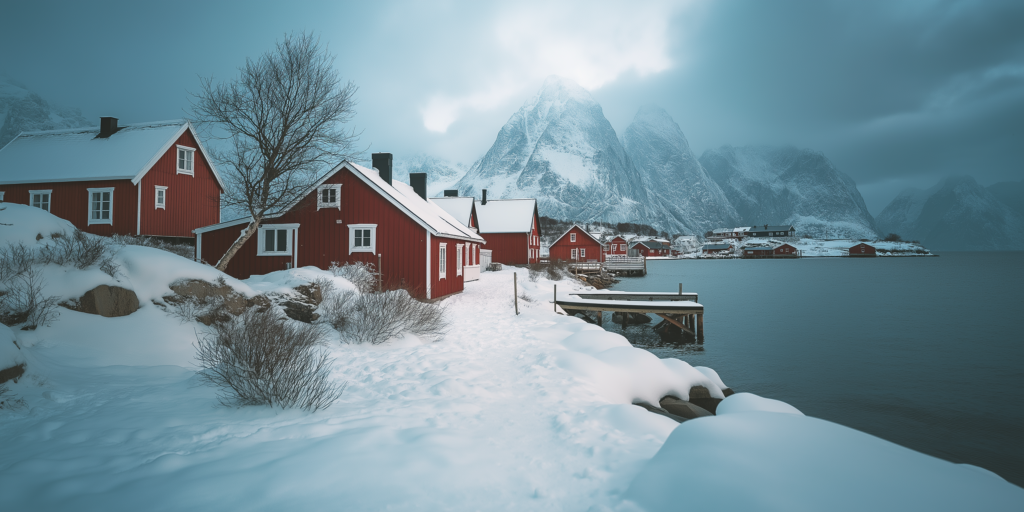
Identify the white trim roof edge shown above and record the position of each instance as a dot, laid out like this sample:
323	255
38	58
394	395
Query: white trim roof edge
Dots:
581	229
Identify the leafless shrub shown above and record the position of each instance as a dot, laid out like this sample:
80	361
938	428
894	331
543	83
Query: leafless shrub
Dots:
79	250
378	317
260	358
183	250
336	308
109	267
8	400
22	301
15	259
363	275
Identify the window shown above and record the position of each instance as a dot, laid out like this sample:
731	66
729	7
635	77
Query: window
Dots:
40	199
572	237
161	198
101	205
1	195
573	254
362	238
442	261
186	157
583	253
276	239
458	259
328	196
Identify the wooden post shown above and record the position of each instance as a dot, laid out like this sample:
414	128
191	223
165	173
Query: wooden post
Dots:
515	291
380	275
625	320
554	302
600	318
700	327
680	288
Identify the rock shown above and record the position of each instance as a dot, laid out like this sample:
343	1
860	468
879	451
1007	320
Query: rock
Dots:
701	397
300	311
683	408
12	373
663	412
203	291
108	301
728	392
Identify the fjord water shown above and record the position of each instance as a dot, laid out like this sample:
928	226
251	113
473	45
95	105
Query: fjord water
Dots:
924	352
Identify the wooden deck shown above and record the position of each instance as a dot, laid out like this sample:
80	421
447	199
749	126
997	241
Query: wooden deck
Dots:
679	309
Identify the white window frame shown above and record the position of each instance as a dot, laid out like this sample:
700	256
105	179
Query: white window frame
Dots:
262	239
47	193
574	255
157	203
100	191
372	249
1	195
320	204
572	237
583	253
458	259
190	160
442	261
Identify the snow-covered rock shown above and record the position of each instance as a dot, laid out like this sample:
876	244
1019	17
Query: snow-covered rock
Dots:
22	110
692	201
786	185
957	214
10	354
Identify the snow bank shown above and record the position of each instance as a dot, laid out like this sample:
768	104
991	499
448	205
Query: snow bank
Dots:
789	462
10	355
749	402
21	223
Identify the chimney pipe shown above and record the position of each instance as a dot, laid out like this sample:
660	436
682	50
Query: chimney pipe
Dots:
108	125
382	162
483	197
451	193
418	182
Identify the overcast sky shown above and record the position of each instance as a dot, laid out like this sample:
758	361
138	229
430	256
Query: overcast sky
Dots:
896	94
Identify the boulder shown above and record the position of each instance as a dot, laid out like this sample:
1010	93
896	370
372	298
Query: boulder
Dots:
663	412
683	408
12	373
203	291
701	397
108	301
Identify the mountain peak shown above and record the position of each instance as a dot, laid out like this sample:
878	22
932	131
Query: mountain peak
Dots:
560	90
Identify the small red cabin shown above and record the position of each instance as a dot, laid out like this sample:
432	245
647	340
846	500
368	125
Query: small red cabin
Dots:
356	214
150	179
511	228
618	246
648	248
577	245
863	249
785	251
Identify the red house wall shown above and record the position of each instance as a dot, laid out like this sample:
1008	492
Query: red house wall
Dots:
863	250
508	248
192	201
618	241
785	250
70	201
562	249
323	239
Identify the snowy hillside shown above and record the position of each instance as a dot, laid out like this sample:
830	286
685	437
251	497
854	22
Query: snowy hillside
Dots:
786	185
957	214
22	110
658	148
560	149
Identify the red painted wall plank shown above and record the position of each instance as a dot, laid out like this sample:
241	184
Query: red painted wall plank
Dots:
562	249
70	200
192	201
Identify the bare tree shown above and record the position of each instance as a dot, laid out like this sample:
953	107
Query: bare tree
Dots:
283	116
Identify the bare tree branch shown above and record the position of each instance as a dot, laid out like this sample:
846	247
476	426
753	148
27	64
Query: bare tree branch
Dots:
284	116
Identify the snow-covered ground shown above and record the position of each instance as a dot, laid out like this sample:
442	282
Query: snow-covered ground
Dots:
527	412
816	248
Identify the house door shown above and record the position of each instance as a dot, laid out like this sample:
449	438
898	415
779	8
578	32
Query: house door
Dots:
575	255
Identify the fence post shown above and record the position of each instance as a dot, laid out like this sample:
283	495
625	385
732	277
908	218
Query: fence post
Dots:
680	288
515	290
554	303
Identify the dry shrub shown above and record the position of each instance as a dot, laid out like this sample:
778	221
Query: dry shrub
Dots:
183	250
79	250
15	259
8	400
260	358
336	307
375	318
363	275
22	301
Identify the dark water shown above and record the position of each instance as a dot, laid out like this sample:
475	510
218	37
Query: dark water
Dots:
925	352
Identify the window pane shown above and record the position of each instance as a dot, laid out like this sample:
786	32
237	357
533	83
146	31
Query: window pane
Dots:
268	241
188	160
324	197
181	159
282	240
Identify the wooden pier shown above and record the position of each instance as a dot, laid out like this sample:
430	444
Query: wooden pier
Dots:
629	265
679	309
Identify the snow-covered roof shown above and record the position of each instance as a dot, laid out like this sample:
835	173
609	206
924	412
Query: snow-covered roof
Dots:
506	215
772	228
76	154
715	247
459	207
427	214
652	244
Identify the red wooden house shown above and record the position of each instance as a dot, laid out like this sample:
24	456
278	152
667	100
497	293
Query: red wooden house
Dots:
862	250
648	248
460	207
356	214
618	246
151	179
576	245
511	228
785	251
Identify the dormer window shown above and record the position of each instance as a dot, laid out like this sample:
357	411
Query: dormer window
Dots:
186	160
328	196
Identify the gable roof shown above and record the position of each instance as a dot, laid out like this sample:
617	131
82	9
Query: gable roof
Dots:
576	226
428	215
461	208
76	154
771	228
651	244
507	215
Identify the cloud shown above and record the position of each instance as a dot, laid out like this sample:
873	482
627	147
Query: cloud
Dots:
592	43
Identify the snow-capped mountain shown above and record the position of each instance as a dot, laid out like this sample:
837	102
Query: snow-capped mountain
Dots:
955	214
22	110
786	185
560	149
441	174
1010	193
658	148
